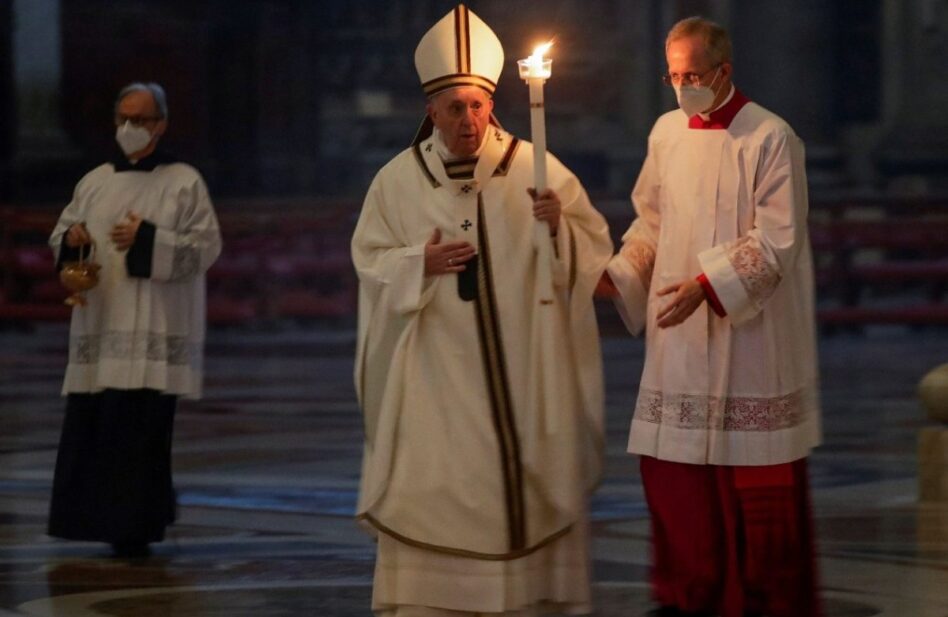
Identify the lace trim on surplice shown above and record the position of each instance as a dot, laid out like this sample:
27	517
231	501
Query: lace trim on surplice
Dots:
642	258
691	411
175	350
186	262
758	277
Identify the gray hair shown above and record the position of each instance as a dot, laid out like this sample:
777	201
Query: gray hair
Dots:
717	42
156	91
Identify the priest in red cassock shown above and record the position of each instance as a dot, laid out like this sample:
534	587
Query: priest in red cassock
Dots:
717	269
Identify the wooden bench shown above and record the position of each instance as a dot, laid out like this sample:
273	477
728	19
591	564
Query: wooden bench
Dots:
281	259
882	262
29	284
919	315
877	261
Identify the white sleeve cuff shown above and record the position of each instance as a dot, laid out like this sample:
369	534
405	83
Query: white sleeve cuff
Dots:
632	302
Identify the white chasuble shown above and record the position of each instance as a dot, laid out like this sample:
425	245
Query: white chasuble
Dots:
463	454
142	331
729	203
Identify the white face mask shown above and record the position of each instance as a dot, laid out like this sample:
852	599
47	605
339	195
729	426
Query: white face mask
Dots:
695	99
132	138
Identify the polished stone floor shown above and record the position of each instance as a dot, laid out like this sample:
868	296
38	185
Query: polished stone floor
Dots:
267	464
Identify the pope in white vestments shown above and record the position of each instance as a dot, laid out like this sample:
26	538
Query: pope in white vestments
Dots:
717	270
482	391
137	344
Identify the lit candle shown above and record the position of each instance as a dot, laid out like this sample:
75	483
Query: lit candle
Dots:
535	70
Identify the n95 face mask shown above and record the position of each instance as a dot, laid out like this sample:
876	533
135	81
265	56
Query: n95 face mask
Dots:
132	138
695	99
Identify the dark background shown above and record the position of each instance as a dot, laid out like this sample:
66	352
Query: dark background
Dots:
289	107
309	98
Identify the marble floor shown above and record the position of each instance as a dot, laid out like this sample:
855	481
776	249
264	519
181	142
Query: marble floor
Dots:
267	464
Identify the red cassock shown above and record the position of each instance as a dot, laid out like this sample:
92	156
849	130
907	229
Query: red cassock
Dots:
734	540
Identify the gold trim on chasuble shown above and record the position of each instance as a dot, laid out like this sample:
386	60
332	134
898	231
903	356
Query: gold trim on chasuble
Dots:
460	552
495	371
416	150
501	170
461	169
505	162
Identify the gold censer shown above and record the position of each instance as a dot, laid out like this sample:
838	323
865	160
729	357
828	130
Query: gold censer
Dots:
79	276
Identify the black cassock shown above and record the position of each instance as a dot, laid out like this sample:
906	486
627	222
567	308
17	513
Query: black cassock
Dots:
113	470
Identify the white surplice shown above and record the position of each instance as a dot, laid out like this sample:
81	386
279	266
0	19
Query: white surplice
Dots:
483	439
730	203
142	332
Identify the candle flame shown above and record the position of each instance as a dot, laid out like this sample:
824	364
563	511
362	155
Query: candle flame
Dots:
536	66
537	56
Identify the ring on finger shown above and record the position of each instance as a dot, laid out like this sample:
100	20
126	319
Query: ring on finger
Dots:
450	261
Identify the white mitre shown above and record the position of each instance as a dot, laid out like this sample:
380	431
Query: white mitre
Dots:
459	50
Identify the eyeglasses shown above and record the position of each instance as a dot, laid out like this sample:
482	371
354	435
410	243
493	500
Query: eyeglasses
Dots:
673	79
458	109
135	120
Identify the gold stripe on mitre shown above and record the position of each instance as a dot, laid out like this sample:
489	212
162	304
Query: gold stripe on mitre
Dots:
462	37
447	82
459	50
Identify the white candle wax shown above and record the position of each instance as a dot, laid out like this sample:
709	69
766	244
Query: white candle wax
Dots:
538	132
535	70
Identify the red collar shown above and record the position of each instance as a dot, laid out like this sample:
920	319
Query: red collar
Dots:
720	118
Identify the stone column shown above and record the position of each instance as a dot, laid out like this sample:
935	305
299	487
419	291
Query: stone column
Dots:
913	155
933	440
781	51
933	459
37	72
7	98
641	61
45	163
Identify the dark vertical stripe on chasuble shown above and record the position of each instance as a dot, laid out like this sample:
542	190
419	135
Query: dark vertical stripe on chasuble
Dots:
416	149
498	387
463	39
